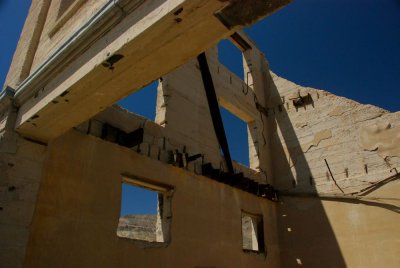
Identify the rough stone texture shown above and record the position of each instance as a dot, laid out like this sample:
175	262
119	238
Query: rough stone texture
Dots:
192	128
141	227
159	141
360	142
52	37
382	138
249	234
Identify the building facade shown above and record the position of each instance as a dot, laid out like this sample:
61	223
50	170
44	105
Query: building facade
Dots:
321	188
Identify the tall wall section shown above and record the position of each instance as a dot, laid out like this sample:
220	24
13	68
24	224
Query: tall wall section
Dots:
336	164
21	169
317	131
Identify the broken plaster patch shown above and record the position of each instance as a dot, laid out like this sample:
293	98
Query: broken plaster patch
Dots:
382	138
301	124
393	161
318	137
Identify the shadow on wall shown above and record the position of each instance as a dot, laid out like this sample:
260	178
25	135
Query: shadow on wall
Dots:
306	236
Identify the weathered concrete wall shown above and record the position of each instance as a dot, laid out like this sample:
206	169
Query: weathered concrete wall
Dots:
78	210
159	143
183	111
361	146
20	175
359	142
48	25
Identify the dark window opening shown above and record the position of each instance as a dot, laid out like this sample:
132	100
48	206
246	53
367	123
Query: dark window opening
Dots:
252	233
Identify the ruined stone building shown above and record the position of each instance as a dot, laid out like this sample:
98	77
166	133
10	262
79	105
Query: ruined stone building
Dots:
321	190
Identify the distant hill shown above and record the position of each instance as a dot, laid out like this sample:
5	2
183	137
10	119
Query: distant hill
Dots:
140	227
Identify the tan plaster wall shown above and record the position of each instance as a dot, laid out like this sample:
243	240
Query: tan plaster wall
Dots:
78	209
20	174
365	231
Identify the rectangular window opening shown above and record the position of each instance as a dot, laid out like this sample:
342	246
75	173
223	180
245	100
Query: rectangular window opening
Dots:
253	233
145	214
231	56
236	134
142	102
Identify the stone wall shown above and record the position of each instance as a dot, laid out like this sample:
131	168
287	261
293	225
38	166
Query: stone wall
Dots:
360	143
61	24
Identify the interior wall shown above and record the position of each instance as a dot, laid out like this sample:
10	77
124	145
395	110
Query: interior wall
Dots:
78	211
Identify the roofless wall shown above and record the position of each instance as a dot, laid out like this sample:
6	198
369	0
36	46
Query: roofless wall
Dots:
320	189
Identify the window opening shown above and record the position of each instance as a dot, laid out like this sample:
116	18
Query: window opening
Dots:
236	134
142	102
252	233
145	213
230	56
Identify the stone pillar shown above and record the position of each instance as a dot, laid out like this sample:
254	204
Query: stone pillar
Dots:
255	75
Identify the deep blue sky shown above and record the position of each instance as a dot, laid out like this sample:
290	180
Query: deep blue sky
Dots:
348	47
